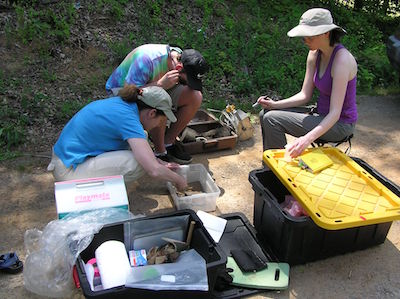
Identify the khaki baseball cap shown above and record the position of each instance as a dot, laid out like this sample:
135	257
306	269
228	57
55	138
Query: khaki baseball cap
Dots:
314	21
159	99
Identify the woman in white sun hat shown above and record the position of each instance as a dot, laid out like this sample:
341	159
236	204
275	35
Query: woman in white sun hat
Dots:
332	69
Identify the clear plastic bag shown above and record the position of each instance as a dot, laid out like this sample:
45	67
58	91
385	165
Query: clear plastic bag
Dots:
293	207
146	233
172	276
51	254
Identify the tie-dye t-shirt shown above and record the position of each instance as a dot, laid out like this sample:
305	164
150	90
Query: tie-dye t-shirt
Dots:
144	64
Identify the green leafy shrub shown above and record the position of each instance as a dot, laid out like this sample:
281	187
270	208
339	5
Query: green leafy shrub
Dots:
67	109
42	23
12	131
11	135
114	7
244	42
120	49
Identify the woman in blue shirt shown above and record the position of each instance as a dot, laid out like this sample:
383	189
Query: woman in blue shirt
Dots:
109	137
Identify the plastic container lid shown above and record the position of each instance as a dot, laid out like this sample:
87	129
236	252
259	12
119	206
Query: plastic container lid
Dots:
343	195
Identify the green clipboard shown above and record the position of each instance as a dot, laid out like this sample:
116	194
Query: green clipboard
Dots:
274	277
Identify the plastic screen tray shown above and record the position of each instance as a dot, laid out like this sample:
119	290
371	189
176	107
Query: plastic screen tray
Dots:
343	195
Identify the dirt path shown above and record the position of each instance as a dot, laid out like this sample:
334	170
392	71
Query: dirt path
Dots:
27	201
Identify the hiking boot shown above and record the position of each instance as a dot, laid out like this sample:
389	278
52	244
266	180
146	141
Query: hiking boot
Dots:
178	154
165	157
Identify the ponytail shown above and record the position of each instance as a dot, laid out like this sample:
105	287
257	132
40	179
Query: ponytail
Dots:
129	93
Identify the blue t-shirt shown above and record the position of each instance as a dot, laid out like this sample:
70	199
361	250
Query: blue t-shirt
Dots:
101	126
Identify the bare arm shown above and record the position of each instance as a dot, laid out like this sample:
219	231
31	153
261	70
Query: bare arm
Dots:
342	71
302	97
170	79
145	157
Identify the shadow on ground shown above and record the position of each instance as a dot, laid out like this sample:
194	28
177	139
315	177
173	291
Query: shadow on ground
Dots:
27	201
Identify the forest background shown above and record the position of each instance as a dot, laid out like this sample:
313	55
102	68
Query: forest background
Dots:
57	55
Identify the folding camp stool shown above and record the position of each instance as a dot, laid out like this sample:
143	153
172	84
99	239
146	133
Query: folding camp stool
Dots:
320	142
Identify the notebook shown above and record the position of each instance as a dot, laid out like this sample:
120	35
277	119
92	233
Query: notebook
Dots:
315	161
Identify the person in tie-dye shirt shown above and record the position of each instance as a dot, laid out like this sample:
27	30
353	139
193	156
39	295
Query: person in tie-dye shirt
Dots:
179	73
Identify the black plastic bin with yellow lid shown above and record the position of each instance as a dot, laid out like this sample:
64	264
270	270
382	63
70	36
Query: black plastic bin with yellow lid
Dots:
298	240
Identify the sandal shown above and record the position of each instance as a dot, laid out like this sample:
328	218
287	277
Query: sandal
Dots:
10	263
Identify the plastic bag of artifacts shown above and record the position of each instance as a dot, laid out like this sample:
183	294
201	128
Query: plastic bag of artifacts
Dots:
51	253
293	207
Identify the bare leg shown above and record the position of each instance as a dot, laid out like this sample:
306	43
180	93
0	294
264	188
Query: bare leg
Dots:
188	104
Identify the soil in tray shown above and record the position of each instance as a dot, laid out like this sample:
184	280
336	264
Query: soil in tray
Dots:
191	189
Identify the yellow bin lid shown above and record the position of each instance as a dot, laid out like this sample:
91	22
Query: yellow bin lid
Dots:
343	195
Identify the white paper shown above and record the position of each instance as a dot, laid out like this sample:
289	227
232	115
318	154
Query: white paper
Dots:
213	224
287	157
168	278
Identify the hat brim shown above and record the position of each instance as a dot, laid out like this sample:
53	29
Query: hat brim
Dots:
193	82
306	30
170	115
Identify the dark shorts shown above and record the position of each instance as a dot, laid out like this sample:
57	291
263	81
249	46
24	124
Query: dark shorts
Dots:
175	92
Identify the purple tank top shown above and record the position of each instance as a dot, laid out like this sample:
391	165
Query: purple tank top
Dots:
324	85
